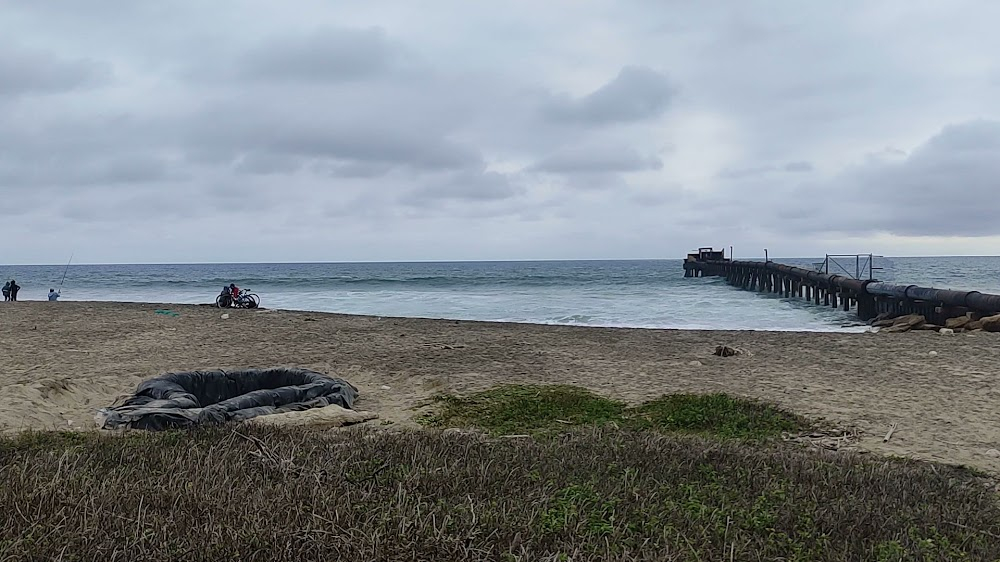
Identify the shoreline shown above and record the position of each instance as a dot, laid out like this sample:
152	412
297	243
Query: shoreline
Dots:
60	362
860	327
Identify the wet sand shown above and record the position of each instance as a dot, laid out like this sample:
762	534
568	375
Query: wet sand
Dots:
60	362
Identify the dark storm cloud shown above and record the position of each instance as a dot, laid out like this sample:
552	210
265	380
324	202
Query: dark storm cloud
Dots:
636	94
24	72
596	159
328	54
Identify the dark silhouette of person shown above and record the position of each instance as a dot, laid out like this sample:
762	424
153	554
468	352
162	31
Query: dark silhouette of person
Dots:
14	288
6	291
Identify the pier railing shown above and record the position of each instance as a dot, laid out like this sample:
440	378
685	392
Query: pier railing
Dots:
869	297
864	265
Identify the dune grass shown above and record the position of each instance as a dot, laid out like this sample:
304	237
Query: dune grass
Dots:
682	477
255	493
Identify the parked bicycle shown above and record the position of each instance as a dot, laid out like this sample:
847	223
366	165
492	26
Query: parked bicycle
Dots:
243	299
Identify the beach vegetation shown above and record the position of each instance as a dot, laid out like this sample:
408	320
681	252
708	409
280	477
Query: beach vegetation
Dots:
540	410
510	409
252	492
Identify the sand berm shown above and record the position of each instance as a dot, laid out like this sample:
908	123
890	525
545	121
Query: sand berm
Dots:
60	362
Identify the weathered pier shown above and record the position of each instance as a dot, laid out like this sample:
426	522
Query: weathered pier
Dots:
870	298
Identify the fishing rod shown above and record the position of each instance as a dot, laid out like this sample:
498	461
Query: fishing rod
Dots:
65	271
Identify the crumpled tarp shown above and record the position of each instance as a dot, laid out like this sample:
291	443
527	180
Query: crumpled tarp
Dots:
185	399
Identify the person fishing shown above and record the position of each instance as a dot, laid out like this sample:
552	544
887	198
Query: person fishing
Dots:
54	294
14	288
6	291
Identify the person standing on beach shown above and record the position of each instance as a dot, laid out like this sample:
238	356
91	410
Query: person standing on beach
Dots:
6	291
53	295
14	288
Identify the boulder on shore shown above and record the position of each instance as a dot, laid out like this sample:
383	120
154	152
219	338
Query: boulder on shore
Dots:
910	320
991	323
882	320
957	323
906	323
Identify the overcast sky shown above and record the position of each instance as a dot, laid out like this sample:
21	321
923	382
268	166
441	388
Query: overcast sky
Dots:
321	130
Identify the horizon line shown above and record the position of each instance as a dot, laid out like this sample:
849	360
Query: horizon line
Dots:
444	261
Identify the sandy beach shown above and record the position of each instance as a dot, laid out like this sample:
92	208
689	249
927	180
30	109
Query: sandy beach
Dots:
60	362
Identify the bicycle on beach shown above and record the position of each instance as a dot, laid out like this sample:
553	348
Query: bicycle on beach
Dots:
245	299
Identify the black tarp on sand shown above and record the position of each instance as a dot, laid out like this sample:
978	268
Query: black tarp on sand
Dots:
185	399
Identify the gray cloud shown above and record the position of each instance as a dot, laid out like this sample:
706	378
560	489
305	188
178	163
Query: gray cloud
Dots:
743	173
317	129
637	93
798	167
25	72
755	172
67	171
48	132
427	134
594	181
947	186
466	186
56	151
132	208
264	163
596	159
359	170
660	196
327	54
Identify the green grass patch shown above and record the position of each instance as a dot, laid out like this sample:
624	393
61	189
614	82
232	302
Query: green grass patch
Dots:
525	409
518	409
716	414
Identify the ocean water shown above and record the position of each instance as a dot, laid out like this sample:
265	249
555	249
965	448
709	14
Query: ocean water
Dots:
644	294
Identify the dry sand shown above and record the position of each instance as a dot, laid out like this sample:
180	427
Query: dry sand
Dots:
59	362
